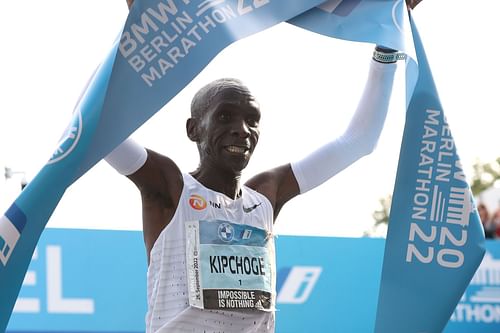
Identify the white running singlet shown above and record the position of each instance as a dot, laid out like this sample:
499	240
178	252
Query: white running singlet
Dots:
168	302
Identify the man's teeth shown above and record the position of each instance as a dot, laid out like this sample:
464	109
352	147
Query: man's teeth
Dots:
235	149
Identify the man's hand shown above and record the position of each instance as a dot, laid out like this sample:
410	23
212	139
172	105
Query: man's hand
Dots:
412	3
130	2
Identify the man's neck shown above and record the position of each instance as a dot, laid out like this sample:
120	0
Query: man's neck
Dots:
227	183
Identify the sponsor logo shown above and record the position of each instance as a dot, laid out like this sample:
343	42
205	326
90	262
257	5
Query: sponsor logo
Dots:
215	204
47	290
249	209
69	139
197	202
295	284
481	301
246	234
9	236
226	232
11	226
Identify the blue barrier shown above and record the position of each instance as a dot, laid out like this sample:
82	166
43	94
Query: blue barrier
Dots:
95	281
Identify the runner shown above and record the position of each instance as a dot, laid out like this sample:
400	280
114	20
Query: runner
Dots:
209	238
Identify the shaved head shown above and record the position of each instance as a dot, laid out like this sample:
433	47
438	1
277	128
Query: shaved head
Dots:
222	88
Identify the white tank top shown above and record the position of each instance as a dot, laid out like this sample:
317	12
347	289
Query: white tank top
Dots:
168	303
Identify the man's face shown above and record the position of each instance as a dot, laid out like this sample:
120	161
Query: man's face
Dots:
229	131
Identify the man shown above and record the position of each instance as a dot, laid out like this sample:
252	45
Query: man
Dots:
208	237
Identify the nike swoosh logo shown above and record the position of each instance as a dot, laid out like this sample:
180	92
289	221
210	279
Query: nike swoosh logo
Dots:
249	209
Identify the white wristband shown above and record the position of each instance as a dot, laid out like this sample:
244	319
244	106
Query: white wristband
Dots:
128	157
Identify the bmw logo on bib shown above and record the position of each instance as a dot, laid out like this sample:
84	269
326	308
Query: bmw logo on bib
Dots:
226	232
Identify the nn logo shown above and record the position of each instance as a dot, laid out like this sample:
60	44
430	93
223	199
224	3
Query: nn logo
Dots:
11	226
295	284
197	202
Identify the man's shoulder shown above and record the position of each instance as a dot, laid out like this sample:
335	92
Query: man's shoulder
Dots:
160	175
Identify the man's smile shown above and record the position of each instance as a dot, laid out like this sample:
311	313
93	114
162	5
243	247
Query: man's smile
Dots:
237	149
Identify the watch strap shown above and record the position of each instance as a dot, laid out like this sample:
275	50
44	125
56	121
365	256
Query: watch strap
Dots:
387	58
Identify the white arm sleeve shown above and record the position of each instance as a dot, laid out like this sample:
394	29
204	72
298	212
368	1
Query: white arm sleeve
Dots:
358	140
128	157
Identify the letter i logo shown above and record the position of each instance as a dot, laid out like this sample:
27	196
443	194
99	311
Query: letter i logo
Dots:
11	226
298	284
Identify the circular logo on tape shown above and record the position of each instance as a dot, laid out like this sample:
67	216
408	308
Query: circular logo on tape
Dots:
69	139
226	232
396	19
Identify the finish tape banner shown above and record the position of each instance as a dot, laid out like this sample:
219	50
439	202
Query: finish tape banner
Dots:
163	46
435	240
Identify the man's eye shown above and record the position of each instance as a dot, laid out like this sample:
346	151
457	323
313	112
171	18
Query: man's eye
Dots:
252	122
224	116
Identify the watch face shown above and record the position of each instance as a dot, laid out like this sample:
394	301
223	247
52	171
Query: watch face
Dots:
69	139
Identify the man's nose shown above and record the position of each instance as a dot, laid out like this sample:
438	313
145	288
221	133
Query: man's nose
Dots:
241	129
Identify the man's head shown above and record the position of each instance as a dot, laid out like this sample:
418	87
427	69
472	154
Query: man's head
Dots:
206	96
225	124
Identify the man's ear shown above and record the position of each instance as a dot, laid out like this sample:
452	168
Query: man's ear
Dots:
192	129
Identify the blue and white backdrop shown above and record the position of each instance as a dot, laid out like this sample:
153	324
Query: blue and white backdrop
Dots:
74	287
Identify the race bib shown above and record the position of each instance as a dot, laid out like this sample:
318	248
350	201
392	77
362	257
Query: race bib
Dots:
229	266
